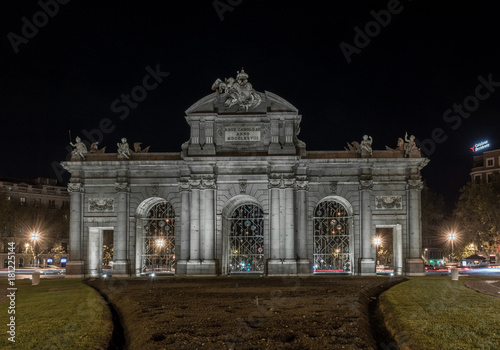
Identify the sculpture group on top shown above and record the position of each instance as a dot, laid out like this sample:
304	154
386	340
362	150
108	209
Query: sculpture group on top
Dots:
80	149
407	147
237	91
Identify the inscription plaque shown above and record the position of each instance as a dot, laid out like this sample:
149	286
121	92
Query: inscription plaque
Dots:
242	133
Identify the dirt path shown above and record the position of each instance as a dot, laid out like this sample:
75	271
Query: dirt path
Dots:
246	313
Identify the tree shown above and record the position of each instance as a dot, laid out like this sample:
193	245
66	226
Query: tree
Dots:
478	212
107	254
433	215
57	252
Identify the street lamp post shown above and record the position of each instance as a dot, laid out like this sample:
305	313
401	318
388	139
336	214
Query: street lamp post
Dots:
377	242
452	237
425	256
34	237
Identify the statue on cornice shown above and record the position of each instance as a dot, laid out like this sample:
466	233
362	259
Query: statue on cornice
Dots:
80	148
238	91
366	144
410	145
123	149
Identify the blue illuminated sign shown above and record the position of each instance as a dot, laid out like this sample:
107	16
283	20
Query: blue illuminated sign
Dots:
480	146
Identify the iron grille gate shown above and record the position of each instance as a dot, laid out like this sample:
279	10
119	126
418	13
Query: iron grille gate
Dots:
159	239
246	240
331	238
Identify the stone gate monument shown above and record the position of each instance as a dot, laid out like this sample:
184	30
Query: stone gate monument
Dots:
244	196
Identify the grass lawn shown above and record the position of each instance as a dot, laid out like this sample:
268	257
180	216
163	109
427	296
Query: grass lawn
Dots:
437	313
56	314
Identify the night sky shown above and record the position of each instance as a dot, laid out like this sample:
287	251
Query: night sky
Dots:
67	70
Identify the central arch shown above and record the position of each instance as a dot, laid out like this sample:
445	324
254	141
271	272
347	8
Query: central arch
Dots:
243	228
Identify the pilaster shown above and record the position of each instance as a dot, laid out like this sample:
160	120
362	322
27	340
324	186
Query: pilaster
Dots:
121	263
75	265
183	254
367	264
414	263
301	248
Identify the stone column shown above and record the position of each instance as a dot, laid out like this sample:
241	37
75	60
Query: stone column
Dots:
120	233
414	263
194	216
183	254
302	261
367	261
274	261
290	264
289	221
209	189
208	232
398	254
74	267
202	220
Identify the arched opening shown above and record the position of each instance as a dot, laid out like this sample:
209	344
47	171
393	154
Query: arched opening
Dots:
244	232
158	243
332	249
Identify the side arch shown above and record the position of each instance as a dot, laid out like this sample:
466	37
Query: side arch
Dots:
332	236
155	236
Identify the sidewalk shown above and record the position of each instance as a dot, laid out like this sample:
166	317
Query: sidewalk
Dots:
485	287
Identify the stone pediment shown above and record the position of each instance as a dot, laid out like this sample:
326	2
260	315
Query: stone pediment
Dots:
238	119
216	103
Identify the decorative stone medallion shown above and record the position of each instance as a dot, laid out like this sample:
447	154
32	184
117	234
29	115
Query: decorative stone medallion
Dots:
101	204
388	202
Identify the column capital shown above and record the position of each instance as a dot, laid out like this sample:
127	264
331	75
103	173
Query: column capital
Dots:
184	186
365	184
274	183
122	187
289	183
208	184
74	187
414	184
302	185
195	184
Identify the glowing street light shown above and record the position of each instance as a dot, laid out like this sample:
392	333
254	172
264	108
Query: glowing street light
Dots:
377	241
452	237
35	236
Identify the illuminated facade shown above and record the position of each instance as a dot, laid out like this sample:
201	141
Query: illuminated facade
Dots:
244	196
485	165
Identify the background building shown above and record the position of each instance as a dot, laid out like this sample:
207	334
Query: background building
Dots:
38	221
485	165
